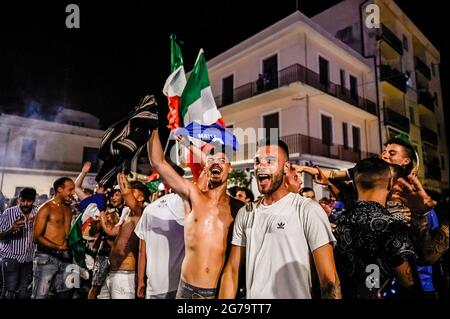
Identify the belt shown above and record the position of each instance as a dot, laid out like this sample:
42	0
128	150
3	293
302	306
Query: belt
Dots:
64	255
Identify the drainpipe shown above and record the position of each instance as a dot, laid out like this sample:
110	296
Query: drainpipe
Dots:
374	58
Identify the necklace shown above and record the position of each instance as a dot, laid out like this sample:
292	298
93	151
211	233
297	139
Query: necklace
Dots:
57	204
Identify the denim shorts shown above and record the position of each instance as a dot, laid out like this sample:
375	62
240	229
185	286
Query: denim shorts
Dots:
50	273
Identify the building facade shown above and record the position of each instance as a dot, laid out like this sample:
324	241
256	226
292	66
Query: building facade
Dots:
407	67
297	80
34	153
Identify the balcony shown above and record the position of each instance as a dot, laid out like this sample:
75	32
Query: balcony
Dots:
384	33
302	144
394	77
428	135
299	73
396	119
422	67
426	99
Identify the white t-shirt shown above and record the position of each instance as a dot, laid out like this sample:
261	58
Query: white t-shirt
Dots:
279	240
161	226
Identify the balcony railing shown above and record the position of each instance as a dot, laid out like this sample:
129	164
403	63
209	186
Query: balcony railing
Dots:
46	165
426	99
299	73
389	37
302	144
396	119
393	76
428	135
422	67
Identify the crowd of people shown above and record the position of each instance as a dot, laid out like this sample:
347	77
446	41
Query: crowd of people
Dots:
378	235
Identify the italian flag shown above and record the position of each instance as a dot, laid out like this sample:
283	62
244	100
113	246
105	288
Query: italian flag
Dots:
175	83
198	105
197	100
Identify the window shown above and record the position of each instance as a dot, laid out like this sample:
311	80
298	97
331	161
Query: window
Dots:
327	130
342	77
353	87
411	115
345	134
439	129
443	163
324	71
28	152
405	42
272	125
227	90
345	34
270	72
91	154
356	132
433	69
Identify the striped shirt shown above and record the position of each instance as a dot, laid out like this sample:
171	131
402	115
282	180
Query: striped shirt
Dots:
19	245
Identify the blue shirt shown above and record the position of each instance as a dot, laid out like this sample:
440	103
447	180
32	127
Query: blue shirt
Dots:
426	272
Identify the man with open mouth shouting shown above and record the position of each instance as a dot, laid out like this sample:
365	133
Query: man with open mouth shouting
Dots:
208	218
279	236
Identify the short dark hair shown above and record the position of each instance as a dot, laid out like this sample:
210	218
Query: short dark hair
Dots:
371	173
409	150
60	183
28	193
248	193
306	189
141	187
279	143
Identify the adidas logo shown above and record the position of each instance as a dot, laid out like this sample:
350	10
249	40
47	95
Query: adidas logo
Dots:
280	225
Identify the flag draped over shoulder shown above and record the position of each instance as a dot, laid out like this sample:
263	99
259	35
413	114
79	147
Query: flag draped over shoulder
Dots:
197	100
175	83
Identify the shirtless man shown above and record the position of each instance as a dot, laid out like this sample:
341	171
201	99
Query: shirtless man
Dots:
52	256
120	283
207	221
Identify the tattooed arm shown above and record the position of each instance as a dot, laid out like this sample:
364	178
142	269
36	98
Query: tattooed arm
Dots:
408	279
330	285
432	244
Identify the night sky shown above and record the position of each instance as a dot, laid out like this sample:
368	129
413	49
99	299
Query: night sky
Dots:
121	52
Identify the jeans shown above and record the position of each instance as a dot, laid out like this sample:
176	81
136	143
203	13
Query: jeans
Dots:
15	278
50	273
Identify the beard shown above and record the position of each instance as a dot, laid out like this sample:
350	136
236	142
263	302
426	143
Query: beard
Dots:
25	209
277	181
